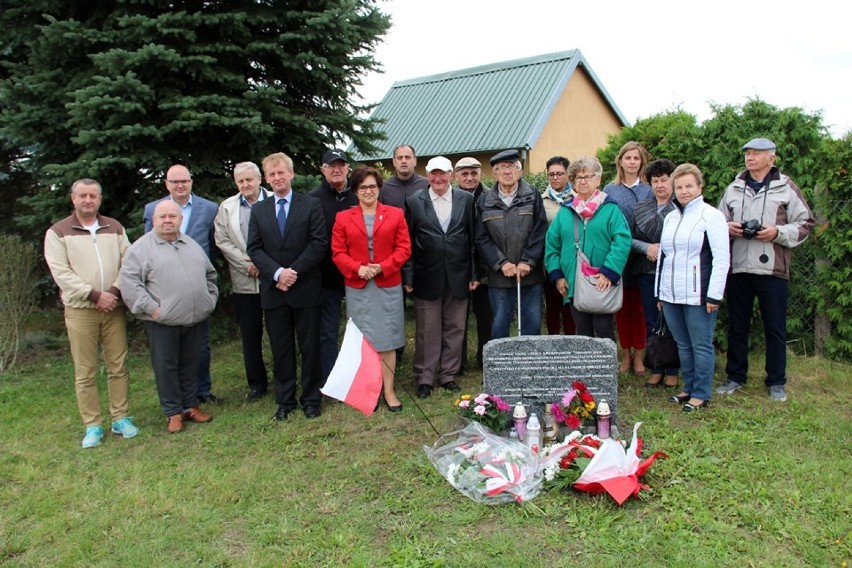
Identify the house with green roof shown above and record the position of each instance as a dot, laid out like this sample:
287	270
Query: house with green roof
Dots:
546	105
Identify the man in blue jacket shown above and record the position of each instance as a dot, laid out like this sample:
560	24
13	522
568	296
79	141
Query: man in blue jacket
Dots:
199	215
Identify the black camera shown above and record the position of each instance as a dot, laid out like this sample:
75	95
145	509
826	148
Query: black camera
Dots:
751	228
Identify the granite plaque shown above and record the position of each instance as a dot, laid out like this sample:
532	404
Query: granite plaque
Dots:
539	369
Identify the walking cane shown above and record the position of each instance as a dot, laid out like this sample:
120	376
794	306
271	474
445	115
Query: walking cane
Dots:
518	278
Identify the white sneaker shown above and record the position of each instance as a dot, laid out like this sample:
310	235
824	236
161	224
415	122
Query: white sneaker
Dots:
730	387
777	392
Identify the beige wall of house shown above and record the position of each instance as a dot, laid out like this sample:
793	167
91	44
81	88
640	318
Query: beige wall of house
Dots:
578	126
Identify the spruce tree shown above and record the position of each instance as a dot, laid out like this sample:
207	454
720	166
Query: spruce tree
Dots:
118	90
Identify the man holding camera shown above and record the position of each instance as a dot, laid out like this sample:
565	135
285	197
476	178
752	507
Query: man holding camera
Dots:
767	216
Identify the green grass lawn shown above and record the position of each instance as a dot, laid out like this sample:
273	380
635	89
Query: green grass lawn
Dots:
748	482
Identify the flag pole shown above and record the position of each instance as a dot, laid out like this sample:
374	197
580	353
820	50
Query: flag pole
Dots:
405	388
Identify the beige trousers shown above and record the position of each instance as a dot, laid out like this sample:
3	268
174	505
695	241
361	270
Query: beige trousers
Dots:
88	328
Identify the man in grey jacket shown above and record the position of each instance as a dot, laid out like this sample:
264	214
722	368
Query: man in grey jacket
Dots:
231	232
168	282
767	217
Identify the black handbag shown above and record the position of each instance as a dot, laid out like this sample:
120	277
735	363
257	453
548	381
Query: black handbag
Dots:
661	348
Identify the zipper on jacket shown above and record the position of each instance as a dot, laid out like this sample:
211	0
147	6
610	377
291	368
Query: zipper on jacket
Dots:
694	279
100	264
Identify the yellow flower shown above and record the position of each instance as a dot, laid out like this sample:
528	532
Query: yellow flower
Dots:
466	396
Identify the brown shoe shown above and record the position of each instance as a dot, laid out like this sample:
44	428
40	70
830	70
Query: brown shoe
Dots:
175	424
195	414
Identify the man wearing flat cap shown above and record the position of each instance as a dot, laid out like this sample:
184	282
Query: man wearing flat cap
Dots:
468	174
767	217
335	195
439	275
510	239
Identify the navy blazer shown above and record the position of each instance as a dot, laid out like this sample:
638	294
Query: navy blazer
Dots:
440	259
302	248
200	227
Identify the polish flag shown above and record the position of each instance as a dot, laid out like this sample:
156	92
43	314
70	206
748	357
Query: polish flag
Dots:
356	378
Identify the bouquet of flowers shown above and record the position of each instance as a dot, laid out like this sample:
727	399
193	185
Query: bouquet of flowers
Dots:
592	465
564	462
577	404
485	467
488	409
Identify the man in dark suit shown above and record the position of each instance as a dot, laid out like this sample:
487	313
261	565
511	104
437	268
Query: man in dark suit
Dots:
468	177
440	275
198	217
287	241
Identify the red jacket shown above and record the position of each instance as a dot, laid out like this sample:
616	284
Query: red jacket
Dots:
391	245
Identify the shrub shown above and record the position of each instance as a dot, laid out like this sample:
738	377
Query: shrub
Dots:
17	297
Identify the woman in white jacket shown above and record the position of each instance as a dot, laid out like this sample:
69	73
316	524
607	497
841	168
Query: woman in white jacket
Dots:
690	282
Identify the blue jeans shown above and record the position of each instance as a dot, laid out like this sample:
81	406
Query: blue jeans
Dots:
329	328
503	304
692	328
649	305
771	293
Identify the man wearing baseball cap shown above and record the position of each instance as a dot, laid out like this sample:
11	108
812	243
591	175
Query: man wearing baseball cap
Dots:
439	276
335	195
767	217
468	172
510	229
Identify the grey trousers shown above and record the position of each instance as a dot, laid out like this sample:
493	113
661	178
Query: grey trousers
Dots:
175	354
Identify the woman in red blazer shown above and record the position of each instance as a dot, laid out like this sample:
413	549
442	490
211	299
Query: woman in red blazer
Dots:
369	245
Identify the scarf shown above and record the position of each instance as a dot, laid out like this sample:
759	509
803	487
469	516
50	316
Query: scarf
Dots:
585	209
559	196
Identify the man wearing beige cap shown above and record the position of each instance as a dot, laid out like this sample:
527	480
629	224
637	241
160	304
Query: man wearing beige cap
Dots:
468	173
767	217
439	275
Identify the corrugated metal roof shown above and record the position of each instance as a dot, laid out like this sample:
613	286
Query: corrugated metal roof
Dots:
490	107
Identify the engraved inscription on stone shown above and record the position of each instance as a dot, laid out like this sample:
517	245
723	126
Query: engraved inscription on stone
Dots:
539	369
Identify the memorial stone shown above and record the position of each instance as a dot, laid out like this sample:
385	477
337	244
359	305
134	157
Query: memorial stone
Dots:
539	369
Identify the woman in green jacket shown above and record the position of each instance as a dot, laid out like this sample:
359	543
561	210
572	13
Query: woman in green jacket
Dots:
604	238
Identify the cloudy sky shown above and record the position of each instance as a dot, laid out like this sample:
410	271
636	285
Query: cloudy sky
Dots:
651	56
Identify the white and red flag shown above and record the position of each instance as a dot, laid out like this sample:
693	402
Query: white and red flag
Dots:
356	378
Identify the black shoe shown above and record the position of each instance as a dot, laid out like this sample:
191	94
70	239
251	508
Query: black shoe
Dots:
679	398
693	407
397	408
451	386
281	414
255	394
424	391
312	411
208	398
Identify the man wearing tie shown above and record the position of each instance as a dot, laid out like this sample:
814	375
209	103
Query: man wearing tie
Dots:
198	217
286	242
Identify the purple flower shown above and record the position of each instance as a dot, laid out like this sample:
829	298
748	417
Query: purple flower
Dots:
558	415
568	397
464	404
481	398
499	403
479	410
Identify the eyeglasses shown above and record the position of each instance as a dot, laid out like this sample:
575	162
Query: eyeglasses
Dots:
365	188
555	174
506	167
578	179
179	181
